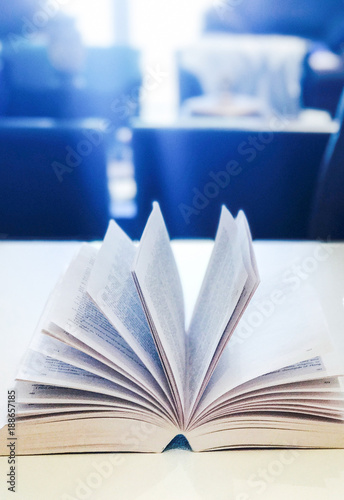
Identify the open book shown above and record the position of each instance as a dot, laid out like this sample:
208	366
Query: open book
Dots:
113	367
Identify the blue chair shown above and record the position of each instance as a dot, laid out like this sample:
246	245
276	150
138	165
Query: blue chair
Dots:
327	217
53	180
181	168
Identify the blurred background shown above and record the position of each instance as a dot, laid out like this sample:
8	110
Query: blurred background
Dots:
106	106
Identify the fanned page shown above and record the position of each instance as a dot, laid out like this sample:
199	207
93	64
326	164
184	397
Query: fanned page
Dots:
158	283
56	350
281	374
109	367
229	283
74	312
270	354
71	310
112	289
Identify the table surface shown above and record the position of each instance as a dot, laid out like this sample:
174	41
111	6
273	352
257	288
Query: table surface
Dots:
309	121
29	270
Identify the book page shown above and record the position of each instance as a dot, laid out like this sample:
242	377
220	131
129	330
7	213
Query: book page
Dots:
294	331
73	311
68	414
112	289
268	431
282	393
61	435
143	380
31	393
311	375
59	351
33	410
42	369
314	394
249	289
218	307
56	399
157	279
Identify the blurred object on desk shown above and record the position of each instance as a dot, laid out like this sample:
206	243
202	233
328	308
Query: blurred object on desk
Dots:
224	105
267	67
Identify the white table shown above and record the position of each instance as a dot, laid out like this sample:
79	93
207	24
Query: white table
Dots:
29	270
308	121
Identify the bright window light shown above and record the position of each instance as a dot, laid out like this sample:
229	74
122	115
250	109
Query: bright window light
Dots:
166	24
158	28
94	20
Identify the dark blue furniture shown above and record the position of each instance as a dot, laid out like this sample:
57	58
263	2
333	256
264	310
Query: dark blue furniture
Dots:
327	218
53	182
273	182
